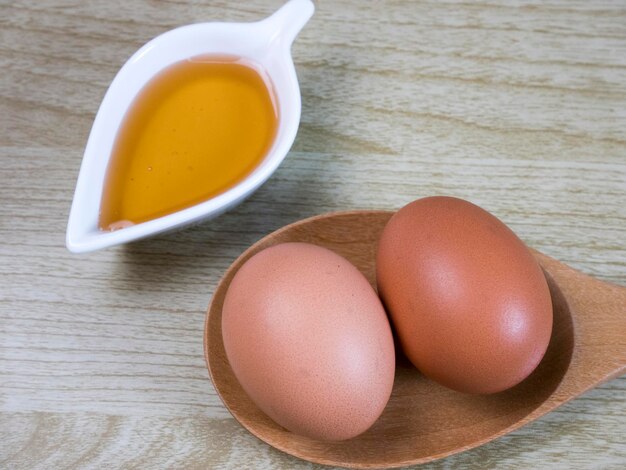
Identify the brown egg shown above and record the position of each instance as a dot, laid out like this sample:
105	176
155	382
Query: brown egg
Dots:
470	304
309	341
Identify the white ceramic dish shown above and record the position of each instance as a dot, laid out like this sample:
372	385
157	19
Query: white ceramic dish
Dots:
266	42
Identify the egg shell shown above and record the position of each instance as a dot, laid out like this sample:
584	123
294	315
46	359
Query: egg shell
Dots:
470	304
309	341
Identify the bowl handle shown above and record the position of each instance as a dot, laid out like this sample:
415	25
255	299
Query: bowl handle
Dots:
598	311
285	24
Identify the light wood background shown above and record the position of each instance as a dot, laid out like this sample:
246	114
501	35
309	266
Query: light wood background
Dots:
517	106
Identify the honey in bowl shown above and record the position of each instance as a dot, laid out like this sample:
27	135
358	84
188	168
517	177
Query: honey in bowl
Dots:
195	130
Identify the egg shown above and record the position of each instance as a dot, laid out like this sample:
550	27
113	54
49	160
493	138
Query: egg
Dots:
309	341
470	304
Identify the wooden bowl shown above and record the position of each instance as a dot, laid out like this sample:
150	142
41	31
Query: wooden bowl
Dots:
423	421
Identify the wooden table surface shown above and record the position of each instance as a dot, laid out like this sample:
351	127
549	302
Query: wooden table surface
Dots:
517	106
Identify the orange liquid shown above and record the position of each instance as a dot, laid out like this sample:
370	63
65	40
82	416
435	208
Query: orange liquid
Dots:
195	130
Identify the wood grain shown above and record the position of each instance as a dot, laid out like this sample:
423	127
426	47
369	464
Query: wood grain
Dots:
518	106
